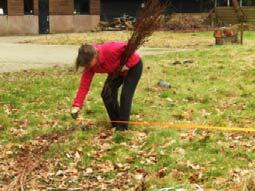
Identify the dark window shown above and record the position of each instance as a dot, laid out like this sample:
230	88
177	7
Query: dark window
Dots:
224	3
28	7
191	6
3	7
81	7
248	3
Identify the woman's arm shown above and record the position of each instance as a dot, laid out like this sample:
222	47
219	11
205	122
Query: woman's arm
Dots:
133	60
82	92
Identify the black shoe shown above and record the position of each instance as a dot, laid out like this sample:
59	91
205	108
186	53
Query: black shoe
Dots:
114	125
121	127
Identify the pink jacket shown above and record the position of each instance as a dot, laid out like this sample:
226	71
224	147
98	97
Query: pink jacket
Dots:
109	61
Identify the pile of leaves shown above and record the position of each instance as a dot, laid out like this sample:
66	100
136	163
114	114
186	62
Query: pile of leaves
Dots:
185	22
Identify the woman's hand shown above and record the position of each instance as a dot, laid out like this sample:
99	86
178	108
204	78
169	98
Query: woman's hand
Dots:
124	68
75	112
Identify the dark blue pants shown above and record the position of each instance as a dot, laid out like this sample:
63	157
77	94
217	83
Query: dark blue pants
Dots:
116	111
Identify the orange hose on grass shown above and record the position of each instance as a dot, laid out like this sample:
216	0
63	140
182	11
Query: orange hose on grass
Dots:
187	126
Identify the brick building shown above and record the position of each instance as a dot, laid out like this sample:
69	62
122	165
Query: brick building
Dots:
116	8
54	16
48	16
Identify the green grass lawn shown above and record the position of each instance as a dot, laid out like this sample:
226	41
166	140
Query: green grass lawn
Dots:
158	40
216	89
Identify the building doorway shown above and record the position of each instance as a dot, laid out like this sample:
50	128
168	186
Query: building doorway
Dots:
44	21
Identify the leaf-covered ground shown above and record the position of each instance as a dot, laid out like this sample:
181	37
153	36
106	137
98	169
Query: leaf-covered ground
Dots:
158	40
42	148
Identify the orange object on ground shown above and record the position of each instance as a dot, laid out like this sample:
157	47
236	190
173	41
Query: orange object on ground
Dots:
188	126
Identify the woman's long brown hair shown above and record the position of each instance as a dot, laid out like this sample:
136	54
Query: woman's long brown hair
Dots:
86	53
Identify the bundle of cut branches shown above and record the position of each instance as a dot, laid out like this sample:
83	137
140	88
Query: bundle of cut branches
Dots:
148	21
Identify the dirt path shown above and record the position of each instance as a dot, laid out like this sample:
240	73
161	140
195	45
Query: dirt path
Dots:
15	56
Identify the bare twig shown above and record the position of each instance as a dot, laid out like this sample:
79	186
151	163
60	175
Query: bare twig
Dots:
148	21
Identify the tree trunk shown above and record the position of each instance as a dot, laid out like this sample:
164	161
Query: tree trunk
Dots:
241	16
